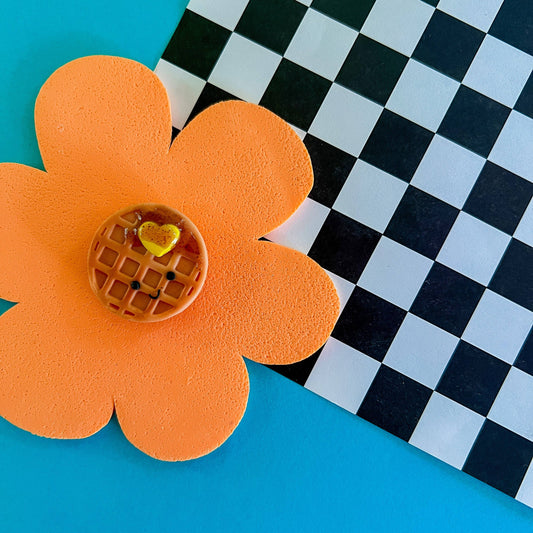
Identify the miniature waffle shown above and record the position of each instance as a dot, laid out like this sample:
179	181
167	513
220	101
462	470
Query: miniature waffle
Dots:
137	285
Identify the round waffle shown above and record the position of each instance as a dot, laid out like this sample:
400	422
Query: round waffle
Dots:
134	283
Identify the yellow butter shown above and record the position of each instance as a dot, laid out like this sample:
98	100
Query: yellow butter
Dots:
158	240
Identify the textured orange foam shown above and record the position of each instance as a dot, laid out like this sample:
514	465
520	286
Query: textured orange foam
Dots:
180	386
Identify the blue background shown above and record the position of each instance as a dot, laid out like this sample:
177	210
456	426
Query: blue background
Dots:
296	461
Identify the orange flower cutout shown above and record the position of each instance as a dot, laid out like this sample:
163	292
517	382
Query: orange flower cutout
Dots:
180	386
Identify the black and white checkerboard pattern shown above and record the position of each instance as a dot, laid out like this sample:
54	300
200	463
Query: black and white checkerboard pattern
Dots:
418	116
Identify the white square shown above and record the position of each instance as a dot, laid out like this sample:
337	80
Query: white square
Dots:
525	493
301	133
305	2
244	68
398	24
447	430
473	12
224	12
512	149
183	90
513	407
342	375
524	230
395	273
421	350
300	230
321	44
343	286
345	119
448	171
499	71
422	95
498	326
473	248
370	196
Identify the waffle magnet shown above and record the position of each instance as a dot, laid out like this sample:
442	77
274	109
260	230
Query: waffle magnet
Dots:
147	262
106	252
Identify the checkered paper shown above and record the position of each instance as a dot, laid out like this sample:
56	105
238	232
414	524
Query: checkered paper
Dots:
418	116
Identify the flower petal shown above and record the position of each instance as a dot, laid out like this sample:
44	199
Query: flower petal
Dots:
274	305
242	170
45	237
100	116
48	385
19	258
184	403
179	393
104	129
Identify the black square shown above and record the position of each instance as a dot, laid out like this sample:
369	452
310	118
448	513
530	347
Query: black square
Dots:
473	378
331	167
368	323
271	23
474	121
447	299
297	372
209	96
499	198
448	45
524	104
431	2
396	145
175	132
295	94
344	246
524	360
514	276
421	222
350	12
394	402
513	24
196	44
371	69
500	458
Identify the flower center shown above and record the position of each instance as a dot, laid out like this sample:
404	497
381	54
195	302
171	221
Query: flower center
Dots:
147	262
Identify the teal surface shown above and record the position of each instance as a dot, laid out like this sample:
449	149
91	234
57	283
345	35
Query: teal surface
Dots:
296	462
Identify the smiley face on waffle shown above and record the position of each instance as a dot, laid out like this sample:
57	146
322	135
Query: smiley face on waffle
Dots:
147	262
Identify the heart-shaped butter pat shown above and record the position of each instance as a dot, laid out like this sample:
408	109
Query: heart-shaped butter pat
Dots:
158	240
